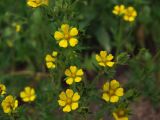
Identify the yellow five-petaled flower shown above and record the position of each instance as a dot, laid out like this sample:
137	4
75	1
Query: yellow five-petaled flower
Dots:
51	60
118	10
9	104
104	60
66	36
112	91
69	100
2	89
120	114
73	75
36	3
28	95
130	14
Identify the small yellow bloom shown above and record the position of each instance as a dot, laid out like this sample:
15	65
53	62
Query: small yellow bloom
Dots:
119	10
112	91
104	60
9	104
36	3
18	27
51	60
130	14
66	36
69	100
73	75
120	114
2	89
28	95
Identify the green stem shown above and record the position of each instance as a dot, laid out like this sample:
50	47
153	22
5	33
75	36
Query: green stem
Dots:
119	38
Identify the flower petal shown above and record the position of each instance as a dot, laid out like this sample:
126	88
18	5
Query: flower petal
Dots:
106	86
73	69
119	92
22	94
110	64
65	28
114	99
68	72
105	96
110	57
49	58
58	35
114	84
63	43
79	72
69	81
103	54
61	103
69	93
75	97
50	65
74	106
78	79
98	58
73	32
67	108
73	42
102	64
63	96
33	97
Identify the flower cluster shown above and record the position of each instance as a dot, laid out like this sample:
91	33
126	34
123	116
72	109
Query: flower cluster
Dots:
36	3
112	91
10	103
129	14
51	60
66	36
104	60
69	100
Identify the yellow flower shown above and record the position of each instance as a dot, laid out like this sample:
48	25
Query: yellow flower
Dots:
9	104
118	10
73	75
17	27
69	100
51	59
66	36
28	95
36	3
120	114
130	14
112	91
2	89
104	60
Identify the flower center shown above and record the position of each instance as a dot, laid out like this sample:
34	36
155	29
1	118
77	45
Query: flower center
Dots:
66	36
121	113
111	92
73	75
69	101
